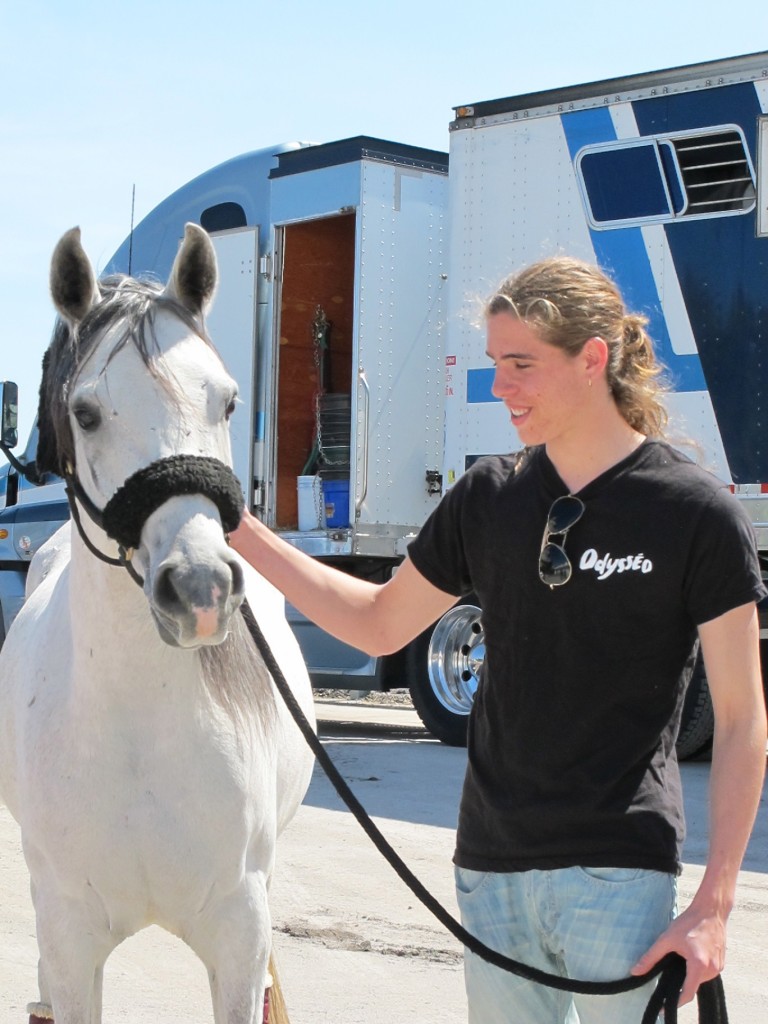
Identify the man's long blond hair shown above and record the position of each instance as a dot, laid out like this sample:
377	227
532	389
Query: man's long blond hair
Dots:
567	302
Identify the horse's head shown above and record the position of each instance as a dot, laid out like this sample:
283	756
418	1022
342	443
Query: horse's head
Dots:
134	391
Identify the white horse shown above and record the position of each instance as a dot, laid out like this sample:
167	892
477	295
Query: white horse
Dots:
143	750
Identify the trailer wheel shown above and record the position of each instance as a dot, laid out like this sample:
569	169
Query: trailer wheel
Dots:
697	723
443	668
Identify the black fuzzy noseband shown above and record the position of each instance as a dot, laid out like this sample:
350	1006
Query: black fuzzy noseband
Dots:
144	492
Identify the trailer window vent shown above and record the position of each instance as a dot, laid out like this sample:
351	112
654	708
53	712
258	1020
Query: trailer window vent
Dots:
223	217
666	178
716	173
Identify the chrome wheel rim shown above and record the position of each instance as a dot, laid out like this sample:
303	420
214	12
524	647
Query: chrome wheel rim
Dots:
455	658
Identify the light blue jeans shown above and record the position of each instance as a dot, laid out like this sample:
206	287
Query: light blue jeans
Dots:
592	924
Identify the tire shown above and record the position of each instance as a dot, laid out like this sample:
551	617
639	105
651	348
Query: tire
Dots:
697	724
444	666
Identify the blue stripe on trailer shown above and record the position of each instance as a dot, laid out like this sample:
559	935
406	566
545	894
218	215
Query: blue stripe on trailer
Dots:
722	268
621	252
479	384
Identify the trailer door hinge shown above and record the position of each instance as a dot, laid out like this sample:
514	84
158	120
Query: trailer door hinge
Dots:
265	266
258	494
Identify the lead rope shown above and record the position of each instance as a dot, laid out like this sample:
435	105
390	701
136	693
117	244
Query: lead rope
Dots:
670	970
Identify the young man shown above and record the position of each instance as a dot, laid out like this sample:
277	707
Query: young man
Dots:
599	556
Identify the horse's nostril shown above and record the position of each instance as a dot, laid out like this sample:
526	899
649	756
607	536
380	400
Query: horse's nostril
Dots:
180	588
238	579
166	594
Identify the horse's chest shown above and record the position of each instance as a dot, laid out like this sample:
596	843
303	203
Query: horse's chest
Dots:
151	804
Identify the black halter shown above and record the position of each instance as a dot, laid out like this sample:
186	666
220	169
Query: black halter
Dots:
124	515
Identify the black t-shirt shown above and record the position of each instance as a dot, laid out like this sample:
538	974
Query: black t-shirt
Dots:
571	752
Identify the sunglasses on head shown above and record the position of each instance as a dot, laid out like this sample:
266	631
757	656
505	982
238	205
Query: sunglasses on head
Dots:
555	567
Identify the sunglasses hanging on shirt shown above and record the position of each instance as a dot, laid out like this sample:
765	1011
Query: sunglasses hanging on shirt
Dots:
555	567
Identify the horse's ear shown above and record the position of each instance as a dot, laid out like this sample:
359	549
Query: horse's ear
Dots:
73	283
194	274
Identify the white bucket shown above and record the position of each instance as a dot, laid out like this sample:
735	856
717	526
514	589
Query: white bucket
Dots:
310	502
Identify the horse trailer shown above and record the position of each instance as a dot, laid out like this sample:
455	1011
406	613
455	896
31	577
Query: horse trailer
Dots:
351	277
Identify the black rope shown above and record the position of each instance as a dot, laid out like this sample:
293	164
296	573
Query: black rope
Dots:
670	970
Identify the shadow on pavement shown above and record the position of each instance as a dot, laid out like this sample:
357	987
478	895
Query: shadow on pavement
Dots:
401	773
398	772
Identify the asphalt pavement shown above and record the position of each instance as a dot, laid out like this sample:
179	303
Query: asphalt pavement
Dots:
352	943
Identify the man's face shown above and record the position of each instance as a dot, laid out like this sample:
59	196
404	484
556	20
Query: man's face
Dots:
540	384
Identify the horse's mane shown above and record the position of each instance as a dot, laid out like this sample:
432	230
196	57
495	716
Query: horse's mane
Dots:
236	677
127	305
233	671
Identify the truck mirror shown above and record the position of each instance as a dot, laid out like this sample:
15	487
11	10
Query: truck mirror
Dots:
9	416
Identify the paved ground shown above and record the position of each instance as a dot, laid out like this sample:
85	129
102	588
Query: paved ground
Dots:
353	944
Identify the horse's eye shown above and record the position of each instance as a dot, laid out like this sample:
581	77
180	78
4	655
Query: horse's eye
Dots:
230	408
88	419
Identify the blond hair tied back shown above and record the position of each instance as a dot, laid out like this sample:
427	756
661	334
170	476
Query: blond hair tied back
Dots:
567	302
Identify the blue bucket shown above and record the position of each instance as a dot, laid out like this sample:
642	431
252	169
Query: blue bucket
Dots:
336	502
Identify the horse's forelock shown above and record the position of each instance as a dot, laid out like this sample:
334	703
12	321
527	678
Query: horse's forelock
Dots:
129	311
128	308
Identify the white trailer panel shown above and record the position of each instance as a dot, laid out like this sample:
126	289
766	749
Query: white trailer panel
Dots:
398	427
232	326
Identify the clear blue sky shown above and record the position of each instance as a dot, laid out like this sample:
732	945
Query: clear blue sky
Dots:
96	98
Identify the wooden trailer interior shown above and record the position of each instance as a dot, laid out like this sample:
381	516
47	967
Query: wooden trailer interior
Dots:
318	277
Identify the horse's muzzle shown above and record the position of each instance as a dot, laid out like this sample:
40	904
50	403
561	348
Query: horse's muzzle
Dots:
193	604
